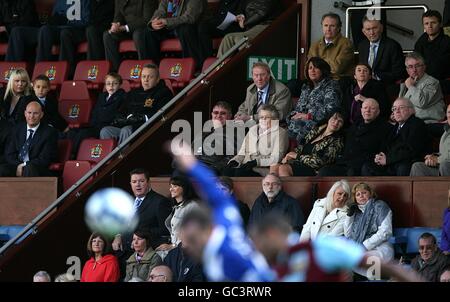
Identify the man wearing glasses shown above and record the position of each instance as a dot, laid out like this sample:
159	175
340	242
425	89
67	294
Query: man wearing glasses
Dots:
407	143
274	199
160	273
422	90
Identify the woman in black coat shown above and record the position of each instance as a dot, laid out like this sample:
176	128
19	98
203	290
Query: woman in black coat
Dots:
16	96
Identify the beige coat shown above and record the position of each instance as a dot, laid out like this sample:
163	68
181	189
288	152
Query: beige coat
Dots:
267	148
339	55
319	222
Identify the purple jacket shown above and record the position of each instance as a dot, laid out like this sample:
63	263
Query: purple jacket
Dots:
445	240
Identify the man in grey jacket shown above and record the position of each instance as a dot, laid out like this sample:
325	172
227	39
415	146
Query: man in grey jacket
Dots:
422	90
437	163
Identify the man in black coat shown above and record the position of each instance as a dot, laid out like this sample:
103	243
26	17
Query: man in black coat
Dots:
387	61
362	142
32	146
130	21
184	268
16	13
274	199
140	104
152	210
434	46
406	143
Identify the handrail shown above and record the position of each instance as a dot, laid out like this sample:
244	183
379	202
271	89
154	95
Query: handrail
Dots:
343	5
119	148
396	7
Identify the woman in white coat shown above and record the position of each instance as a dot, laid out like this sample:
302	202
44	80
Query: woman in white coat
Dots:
369	222
329	213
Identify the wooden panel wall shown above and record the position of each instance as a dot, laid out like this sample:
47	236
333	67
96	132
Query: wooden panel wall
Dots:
23	198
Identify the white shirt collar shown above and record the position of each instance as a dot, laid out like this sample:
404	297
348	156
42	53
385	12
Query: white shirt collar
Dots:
34	128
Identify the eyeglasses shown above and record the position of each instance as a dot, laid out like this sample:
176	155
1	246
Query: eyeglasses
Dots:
399	108
267	184
417	66
151	277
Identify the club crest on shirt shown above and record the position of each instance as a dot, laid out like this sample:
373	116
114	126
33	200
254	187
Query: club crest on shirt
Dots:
149	102
175	70
51	73
74	111
92	73
96	151
135	72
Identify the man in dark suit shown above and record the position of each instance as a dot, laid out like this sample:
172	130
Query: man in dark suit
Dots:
152	210
383	54
32	146
130	21
362	141
407	143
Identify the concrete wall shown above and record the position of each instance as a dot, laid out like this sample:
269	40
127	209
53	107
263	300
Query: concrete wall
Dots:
407	18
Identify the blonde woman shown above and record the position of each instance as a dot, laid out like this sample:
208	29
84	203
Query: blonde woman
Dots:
329	213
369	222
16	96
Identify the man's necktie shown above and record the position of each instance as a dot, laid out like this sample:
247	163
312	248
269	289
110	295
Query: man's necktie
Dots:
137	203
372	54
26	146
259	101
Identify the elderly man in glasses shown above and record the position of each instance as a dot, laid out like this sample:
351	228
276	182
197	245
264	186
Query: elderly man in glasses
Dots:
160	273
405	144
424	91
430	263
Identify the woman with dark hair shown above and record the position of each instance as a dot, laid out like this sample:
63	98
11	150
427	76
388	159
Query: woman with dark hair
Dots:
319	97
319	148
183	197
361	88
144	258
101	267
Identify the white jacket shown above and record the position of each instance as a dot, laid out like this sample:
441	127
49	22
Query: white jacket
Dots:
319	222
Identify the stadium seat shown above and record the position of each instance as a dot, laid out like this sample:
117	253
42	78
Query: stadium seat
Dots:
56	71
77	113
3	48
93	72
208	62
174	45
64	151
82	47
8	232
94	150
6	68
74	91
73	171
127	46
131	70
179	71
126	85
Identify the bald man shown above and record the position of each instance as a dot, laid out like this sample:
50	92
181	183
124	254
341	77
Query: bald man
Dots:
405	144
363	139
32	146
160	273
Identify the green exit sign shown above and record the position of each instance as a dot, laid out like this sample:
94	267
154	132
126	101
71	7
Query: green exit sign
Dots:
283	69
